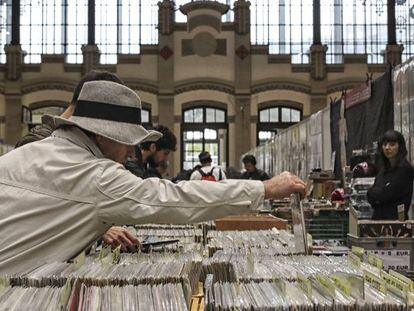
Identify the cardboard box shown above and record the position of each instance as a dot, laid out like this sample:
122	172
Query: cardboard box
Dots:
250	222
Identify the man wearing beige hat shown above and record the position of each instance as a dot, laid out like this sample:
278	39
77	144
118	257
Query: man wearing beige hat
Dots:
60	194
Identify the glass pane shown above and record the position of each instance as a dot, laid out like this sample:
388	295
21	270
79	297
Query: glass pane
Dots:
404	15
355	27
5	34
106	30
265	135
41	28
274	115
129	35
198	115
213	149
189	116
264	115
220	116
286	115
52	110
145	116
210	134
149	21
210	115
193	135
295	115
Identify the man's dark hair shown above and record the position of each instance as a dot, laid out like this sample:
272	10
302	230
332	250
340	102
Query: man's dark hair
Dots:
94	75
249	159
204	157
167	141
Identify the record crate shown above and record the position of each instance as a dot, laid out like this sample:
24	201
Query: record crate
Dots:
322	224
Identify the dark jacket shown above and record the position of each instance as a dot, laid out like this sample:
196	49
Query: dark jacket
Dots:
256	175
141	169
392	188
39	132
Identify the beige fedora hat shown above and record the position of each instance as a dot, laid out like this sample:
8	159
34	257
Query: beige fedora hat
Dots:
111	110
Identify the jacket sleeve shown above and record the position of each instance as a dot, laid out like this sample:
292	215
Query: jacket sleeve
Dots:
37	133
264	176
400	184
126	199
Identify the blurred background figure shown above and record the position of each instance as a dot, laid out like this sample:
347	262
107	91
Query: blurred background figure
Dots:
207	171
252	172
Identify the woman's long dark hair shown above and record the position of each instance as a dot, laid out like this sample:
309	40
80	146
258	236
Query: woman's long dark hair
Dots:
396	137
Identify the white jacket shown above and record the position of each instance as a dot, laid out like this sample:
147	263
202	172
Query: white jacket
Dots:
60	194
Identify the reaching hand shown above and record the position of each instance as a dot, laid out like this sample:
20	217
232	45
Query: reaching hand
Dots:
283	185
120	236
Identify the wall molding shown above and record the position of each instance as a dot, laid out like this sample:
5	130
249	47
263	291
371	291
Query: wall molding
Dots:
280	103
204	84
290	85
48	103
47	84
142	85
204	103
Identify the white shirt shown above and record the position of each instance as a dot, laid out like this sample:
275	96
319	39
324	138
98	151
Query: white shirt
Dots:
60	194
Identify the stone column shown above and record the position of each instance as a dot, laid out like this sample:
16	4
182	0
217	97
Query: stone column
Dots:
242	81
165	17
316	22
14	61
318	61
90	51
393	51
91	22
14	53
13	128
317	50
14	65
91	57
392	36
318	102
166	73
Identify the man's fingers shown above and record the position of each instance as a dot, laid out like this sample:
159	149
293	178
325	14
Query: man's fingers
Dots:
131	237
298	187
123	238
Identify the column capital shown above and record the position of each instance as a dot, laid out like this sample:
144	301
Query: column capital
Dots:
14	61
393	54
91	55
242	17
166	17
318	61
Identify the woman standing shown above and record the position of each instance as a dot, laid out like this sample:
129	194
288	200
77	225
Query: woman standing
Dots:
394	183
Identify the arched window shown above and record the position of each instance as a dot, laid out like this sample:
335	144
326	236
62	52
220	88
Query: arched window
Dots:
33	117
273	119
204	128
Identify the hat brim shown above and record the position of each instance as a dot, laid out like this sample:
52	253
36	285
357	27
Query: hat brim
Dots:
121	132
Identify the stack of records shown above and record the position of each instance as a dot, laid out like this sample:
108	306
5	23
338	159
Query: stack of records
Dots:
281	242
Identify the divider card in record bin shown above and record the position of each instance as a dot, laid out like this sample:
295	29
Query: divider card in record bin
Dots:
392	259
395	253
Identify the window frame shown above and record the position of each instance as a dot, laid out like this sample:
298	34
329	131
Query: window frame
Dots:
275	126
201	126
